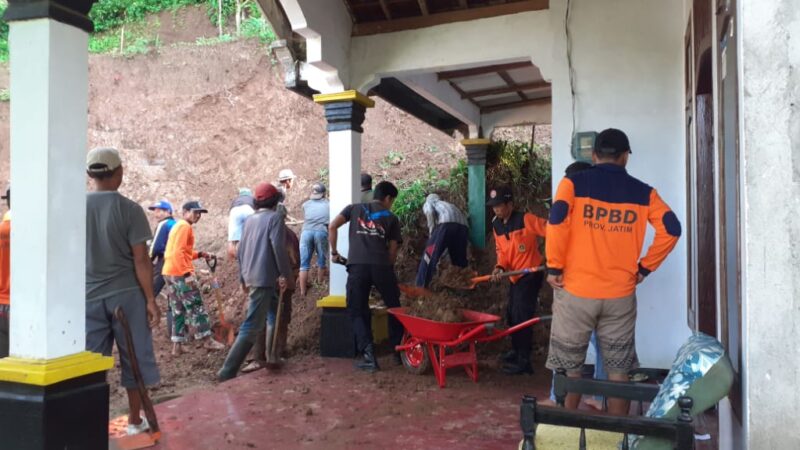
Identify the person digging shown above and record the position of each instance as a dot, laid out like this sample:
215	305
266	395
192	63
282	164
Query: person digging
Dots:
185	299
374	235
264	268
516	236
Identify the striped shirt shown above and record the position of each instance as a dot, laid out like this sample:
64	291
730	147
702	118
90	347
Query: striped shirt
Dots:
438	211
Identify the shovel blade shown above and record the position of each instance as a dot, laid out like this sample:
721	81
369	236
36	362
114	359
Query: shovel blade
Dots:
137	441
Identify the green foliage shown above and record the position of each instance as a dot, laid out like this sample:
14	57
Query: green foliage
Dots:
212	9
253	27
3	33
108	14
525	168
324	176
203	41
393	158
5	95
408	205
103	43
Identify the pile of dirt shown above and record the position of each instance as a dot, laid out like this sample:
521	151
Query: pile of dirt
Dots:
453	277
438	306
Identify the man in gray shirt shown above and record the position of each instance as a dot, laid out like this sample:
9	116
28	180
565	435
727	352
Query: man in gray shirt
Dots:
449	232
314	237
263	263
119	274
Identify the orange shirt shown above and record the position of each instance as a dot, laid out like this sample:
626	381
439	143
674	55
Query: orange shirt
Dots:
180	252
517	243
5	259
597	228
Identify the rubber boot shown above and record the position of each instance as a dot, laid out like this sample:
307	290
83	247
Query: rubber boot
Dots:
520	367
368	363
234	360
509	357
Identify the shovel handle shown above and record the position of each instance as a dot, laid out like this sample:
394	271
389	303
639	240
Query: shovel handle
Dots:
484	278
147	405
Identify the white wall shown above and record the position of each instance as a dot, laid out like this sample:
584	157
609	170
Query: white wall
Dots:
629	75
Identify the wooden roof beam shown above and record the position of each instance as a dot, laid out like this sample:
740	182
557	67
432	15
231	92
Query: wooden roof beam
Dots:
506	89
462	73
460	15
511	83
517	104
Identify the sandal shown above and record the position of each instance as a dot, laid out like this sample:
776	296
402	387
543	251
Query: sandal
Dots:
212	344
253	366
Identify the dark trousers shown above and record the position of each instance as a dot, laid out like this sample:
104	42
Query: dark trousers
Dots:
360	279
452	237
523	302
158	285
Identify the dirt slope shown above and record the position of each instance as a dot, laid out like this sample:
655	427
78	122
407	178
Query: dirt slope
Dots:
196	122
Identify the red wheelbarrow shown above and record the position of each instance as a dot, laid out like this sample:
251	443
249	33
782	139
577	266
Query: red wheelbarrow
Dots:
445	345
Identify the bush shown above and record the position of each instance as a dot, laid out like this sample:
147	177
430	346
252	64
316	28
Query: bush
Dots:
408	205
3	33
525	168
108	14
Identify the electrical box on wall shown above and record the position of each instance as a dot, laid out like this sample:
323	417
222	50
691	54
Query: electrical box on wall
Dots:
582	146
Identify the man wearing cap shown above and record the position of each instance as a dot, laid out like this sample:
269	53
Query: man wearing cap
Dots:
285	184
516	236
119	273
5	275
314	236
184	297
448	232
263	267
162	211
242	207
374	238
595	237
366	187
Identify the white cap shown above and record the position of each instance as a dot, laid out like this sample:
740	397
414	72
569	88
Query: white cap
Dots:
102	160
285	174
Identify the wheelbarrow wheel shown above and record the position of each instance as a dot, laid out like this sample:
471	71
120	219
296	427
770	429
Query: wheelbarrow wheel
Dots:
416	358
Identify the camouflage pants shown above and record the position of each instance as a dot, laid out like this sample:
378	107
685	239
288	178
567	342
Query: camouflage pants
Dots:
187	308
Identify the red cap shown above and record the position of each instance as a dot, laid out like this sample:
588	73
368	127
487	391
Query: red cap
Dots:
265	191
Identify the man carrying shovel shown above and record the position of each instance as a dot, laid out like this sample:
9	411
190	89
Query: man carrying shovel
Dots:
264	267
516	236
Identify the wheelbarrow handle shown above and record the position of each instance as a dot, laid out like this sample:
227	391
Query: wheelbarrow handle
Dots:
503	333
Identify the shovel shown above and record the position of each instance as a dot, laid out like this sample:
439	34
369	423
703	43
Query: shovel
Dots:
484	278
151	437
224	331
273	358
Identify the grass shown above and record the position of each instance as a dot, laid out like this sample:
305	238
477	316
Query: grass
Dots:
5	95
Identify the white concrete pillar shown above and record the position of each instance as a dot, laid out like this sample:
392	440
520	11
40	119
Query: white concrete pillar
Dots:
345	113
344	166
769	144
49	107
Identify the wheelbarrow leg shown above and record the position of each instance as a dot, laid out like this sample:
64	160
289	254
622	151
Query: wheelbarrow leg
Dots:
436	362
472	367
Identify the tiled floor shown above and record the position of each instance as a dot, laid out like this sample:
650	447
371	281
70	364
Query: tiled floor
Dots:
317	403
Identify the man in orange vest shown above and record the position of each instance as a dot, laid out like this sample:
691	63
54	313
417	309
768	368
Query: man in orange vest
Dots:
516	236
595	237
185	299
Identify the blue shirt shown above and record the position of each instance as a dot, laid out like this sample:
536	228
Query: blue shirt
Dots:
159	244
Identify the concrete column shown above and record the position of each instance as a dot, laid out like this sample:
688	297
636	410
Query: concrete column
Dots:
53	394
345	114
769	139
49	88
476	167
